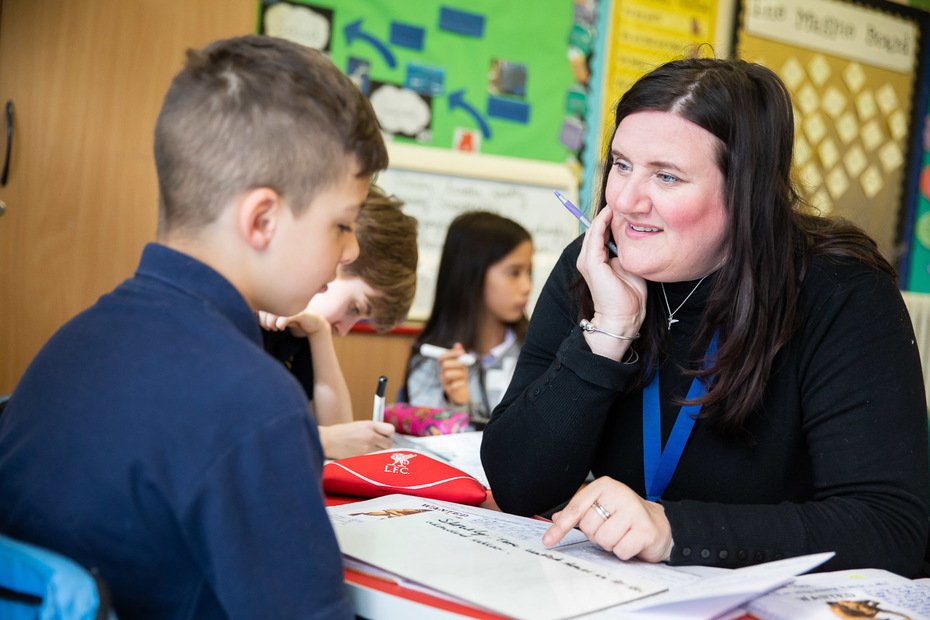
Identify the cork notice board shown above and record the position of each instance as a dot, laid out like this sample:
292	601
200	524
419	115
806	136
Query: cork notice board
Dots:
852	69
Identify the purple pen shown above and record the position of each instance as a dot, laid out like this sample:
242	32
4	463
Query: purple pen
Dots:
584	221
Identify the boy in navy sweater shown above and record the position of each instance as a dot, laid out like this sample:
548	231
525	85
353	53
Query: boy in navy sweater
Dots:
152	438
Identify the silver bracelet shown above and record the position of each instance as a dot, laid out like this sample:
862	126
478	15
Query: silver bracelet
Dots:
588	327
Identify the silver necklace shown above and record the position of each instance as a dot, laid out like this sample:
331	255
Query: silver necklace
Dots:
671	313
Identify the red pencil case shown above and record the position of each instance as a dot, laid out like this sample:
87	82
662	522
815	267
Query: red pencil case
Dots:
421	421
401	471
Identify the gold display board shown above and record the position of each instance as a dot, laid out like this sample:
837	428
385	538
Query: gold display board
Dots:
851	72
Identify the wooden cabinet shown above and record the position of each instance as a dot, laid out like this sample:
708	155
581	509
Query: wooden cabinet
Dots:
86	78
366	356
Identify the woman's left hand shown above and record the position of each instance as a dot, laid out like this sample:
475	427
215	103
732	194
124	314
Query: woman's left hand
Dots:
612	515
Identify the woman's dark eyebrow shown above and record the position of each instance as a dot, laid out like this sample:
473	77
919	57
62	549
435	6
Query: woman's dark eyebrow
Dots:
653	164
665	164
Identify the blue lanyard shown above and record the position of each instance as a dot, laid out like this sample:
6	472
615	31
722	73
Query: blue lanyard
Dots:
659	465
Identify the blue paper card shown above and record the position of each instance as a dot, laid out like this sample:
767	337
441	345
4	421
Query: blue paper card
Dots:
461	22
516	111
408	36
425	80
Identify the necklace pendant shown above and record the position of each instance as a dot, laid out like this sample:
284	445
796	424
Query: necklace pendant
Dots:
671	313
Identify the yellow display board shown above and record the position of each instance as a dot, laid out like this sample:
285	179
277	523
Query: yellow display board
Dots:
643	34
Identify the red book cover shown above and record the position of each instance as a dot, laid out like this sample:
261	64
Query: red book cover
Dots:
401	471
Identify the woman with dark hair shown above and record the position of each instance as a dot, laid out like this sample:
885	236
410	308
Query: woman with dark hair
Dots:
482	289
742	377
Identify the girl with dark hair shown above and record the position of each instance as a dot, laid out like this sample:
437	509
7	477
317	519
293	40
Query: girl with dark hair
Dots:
742	378
482	289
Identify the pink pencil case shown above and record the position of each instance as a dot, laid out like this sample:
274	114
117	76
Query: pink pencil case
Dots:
415	420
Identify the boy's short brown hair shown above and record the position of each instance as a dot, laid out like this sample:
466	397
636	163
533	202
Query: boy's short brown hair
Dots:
387	259
258	111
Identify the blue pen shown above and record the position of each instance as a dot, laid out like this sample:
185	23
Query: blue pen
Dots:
584	221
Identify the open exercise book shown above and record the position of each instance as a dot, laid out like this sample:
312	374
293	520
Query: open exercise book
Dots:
496	561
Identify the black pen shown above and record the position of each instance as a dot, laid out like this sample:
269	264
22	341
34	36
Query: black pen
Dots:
377	411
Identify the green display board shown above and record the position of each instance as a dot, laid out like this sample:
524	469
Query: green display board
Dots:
493	76
919	271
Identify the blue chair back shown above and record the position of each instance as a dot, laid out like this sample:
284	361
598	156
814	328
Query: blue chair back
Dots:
38	584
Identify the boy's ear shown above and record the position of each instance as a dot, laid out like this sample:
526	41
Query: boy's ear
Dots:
257	216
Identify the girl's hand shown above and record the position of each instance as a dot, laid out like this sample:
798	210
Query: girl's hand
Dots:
632	528
453	375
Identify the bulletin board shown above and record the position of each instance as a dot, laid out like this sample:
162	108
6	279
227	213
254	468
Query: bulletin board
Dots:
485	76
852	68
436	185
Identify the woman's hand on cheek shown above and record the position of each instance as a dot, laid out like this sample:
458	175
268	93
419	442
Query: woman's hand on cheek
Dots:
612	515
619	297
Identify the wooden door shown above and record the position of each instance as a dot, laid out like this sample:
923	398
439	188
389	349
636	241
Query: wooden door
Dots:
86	78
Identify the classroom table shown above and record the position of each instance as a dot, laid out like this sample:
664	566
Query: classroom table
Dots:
375	598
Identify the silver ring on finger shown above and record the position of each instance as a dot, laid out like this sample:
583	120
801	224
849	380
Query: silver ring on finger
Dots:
601	511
